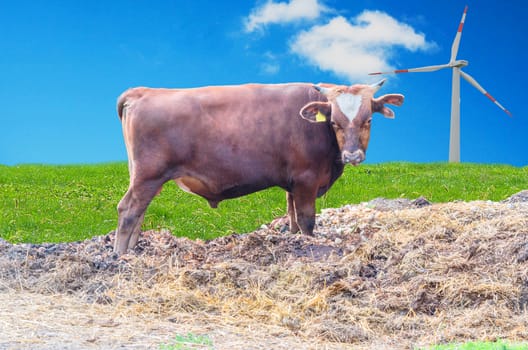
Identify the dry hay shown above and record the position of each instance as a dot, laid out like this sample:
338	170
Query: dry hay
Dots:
387	273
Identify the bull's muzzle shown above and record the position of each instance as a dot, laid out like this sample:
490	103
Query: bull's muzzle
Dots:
353	158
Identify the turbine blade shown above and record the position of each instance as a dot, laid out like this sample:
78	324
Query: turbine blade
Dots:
473	82
456	42
414	70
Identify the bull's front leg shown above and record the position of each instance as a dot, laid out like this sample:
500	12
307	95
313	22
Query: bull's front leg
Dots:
304	202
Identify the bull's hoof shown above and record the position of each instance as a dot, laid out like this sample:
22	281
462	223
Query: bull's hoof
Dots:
311	234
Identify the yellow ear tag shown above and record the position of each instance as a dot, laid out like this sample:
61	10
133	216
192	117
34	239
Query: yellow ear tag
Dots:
320	117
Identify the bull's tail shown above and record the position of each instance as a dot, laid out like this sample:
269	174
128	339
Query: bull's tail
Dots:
121	105
126	99
124	102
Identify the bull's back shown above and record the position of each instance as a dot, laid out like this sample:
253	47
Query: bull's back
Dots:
255	119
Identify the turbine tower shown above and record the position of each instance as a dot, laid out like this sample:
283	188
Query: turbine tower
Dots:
456	65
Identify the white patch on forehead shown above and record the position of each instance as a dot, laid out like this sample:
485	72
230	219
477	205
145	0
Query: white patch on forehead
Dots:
349	104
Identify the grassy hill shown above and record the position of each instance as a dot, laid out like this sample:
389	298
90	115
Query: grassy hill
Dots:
44	203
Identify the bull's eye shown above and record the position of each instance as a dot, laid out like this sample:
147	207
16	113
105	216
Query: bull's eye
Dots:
335	125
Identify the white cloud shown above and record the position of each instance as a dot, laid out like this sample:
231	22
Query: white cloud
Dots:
270	64
353	49
283	12
270	68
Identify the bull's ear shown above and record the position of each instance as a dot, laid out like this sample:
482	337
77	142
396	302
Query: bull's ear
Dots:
378	104
317	112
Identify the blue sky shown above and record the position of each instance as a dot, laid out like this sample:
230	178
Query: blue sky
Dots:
63	64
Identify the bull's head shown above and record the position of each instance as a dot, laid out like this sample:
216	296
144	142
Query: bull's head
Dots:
349	109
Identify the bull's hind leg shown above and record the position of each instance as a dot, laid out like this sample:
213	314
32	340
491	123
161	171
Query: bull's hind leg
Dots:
131	210
135	233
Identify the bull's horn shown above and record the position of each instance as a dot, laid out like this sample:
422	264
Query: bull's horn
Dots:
323	90
377	86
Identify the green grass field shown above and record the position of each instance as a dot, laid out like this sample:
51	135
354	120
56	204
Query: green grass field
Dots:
44	203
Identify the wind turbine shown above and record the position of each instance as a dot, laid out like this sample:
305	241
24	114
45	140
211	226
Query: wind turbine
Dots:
456	65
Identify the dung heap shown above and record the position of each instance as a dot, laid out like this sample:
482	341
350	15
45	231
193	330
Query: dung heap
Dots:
386	273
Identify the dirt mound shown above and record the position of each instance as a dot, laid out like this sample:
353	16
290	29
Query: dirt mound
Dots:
387	273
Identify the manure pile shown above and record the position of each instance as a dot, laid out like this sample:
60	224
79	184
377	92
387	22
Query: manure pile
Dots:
382	274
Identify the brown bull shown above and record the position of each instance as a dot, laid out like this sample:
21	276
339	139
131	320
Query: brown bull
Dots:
229	141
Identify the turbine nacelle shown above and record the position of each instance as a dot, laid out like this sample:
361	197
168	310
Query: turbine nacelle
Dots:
458	63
